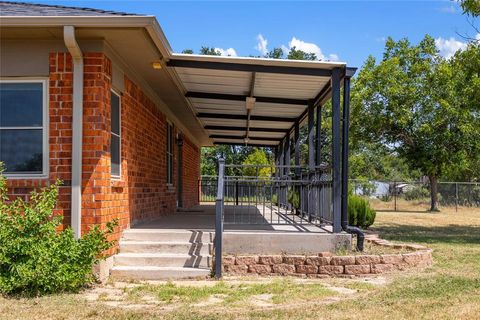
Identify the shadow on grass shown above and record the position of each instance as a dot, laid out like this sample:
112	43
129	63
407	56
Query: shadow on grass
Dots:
408	211
451	234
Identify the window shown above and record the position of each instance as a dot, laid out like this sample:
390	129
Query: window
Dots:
169	153
23	128
115	143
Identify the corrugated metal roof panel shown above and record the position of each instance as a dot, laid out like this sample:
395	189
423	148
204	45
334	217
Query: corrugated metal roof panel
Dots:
227	77
251	142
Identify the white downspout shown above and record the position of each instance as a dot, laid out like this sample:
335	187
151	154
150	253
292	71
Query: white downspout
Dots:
77	124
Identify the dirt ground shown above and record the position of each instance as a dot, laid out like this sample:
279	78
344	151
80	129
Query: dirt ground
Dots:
450	289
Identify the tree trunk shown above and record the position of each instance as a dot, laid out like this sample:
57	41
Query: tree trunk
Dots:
433	193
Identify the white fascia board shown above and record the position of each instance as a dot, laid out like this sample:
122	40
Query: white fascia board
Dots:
77	21
260	61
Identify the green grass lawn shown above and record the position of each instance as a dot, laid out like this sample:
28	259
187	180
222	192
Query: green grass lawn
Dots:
448	290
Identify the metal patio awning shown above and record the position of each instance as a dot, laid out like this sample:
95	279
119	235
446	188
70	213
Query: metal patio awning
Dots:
252	101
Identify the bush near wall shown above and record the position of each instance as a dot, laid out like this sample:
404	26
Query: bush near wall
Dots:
35	257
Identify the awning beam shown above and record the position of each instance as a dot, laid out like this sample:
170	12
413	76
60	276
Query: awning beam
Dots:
205	115
230	128
249	144
220	136
236	97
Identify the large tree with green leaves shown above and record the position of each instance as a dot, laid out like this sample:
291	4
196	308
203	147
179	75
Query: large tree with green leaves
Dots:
409	102
471	7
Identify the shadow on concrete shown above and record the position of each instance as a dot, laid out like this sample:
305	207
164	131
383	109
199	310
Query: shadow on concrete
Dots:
236	218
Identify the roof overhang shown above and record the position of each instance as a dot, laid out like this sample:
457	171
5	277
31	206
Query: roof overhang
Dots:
233	100
150	23
219	88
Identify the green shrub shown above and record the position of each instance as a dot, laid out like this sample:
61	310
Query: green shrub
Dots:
417	193
359	212
275	199
294	198
35	257
386	197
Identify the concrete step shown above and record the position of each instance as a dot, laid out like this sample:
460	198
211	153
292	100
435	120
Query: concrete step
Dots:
162	260
166	235
157	273
199	249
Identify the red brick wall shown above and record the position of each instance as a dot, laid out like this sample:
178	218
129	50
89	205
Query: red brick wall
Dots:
60	136
100	204
191	173
144	138
142	192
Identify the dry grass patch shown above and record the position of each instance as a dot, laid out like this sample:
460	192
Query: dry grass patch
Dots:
448	290
227	294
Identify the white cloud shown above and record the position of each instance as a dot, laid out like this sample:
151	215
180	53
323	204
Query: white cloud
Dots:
262	44
227	52
333	57
477	37
448	47
309	47
449	9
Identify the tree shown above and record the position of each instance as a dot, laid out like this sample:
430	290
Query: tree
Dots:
276	53
408	103
465	96
257	157
210	51
471	7
375	162
295	54
187	51
231	154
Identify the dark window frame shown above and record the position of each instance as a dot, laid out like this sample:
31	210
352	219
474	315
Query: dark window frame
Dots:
170	152
114	175
44	127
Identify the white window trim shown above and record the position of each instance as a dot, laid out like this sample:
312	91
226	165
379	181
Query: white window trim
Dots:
170	155
119	176
45	111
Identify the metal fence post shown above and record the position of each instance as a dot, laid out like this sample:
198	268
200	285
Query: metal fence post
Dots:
456	196
395	195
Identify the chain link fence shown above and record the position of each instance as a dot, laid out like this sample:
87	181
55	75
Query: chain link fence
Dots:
415	195
393	195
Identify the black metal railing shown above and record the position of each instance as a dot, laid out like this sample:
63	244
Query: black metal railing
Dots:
273	195
306	194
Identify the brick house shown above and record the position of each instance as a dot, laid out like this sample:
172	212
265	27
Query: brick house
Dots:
99	100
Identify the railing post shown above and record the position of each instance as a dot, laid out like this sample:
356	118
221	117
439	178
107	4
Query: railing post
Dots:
236	192
219	202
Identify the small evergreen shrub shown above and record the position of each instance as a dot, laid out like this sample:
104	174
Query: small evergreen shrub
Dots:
294	198
360	214
35	257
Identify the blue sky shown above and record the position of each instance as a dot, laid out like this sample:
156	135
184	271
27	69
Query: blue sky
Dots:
344	30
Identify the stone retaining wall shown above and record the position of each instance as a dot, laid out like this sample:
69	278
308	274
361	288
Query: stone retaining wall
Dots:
326	264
